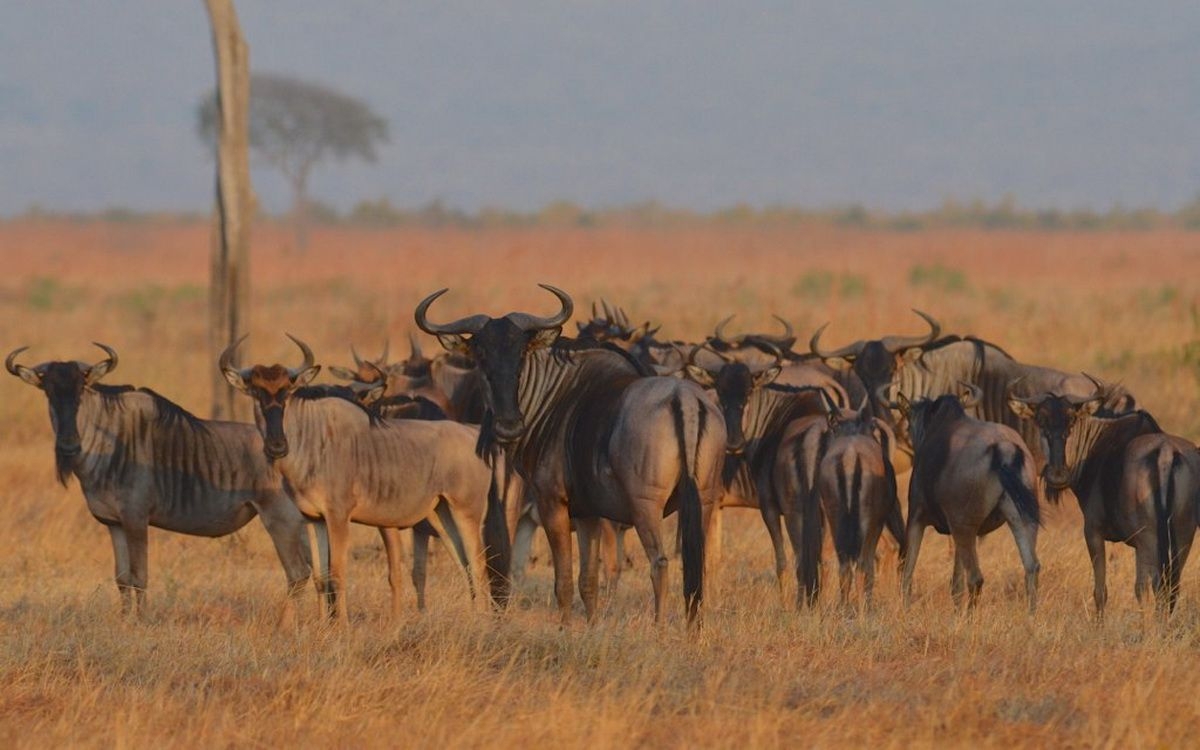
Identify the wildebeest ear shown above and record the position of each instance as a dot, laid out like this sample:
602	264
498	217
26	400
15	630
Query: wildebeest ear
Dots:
305	376
343	373
767	376
545	337
455	343
29	376
840	363
912	355
1088	408
372	393
235	379
699	375
97	371
1020	408
904	404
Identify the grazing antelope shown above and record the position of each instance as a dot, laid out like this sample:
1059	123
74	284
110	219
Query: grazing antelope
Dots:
594	437
144	461
857	488
1134	483
968	478
342	464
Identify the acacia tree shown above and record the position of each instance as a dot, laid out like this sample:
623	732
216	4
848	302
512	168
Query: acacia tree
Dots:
295	125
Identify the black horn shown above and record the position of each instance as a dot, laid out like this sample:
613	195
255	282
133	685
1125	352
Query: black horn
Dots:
468	325
225	363
851	350
10	362
309	359
895	343
529	322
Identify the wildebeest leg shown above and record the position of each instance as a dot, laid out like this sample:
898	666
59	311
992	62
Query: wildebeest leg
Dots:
714	537
914	534
324	588
866	562
285	525
1025	535
463	536
590	531
1146	552
607	531
136	539
649	530
522	541
964	550
557	525
1095	545
122	576
420	563
339	560
394	548
1184	534
771	518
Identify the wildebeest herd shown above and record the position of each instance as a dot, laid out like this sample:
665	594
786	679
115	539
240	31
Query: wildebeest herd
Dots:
516	425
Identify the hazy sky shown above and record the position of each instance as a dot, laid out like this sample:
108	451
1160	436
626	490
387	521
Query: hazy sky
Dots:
696	104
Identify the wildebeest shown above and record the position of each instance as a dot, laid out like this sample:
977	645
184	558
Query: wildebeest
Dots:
757	412
343	465
410	390
942	365
968	478
1134	483
857	488
144	461
595	437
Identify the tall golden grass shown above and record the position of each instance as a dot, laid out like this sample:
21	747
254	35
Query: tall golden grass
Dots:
207	666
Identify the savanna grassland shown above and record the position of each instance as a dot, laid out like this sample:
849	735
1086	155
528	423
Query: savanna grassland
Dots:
208	667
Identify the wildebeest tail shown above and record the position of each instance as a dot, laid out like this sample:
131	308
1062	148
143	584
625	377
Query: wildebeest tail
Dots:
812	532
497	544
691	514
1011	475
848	540
1161	467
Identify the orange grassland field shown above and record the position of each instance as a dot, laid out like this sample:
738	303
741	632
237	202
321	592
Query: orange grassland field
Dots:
208	667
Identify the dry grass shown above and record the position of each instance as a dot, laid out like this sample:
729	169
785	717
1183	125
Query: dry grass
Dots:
208	666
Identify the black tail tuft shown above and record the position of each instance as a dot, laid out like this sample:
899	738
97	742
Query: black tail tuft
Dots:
691	518
498	546
848	539
1011	479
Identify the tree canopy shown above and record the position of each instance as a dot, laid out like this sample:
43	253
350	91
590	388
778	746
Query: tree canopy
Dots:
295	125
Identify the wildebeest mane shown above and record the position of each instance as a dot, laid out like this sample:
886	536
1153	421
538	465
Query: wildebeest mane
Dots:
169	414
564	347
341	392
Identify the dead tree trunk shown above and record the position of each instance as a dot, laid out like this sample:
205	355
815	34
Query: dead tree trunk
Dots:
229	289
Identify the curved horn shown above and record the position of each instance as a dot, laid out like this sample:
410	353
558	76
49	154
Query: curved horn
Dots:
358	361
895	343
1101	386
309	359
851	350
414	347
380	375
469	325
622	319
787	328
111	359
387	345
225	363
10	362
529	322
593	309
719	333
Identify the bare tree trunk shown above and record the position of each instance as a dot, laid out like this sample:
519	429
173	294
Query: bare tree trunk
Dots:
229	290
300	212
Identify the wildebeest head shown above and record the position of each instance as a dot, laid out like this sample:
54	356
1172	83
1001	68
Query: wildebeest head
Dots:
769	344
64	384
876	362
271	386
498	346
924	414
406	375
1055	416
734	382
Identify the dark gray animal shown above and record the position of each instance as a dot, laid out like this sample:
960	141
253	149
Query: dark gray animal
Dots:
595	438
1134	483
144	461
968	478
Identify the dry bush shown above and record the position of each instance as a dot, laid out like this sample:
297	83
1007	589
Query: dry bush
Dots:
208	667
